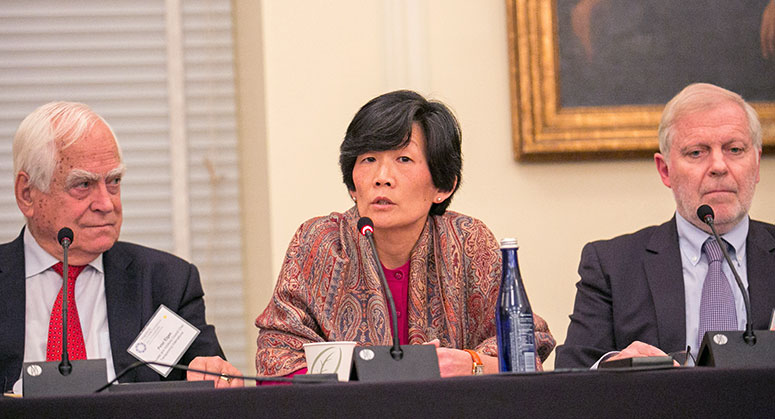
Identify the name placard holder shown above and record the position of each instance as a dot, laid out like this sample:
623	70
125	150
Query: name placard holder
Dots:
729	350
44	379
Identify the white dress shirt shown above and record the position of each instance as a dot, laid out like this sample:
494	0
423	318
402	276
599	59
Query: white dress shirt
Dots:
42	285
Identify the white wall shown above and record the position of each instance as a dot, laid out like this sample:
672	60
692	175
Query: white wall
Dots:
307	66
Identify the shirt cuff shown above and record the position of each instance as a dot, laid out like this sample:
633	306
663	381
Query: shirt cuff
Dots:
603	358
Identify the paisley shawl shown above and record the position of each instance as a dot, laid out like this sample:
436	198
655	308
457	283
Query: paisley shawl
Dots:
328	290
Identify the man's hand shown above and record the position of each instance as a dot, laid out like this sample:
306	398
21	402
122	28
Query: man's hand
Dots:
217	366
637	349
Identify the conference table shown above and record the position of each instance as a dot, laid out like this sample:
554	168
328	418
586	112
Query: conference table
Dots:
674	392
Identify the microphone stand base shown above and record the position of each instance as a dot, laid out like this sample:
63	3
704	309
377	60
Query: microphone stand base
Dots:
158	386
375	364
44	378
729	350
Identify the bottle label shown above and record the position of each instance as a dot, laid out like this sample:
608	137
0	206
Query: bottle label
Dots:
522	342
530	361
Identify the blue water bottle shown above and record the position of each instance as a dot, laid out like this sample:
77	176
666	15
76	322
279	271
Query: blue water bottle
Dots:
514	317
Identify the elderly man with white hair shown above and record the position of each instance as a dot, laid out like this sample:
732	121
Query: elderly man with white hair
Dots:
68	170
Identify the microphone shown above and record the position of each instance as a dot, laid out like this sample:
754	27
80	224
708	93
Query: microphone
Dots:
384	363
65	238
705	213
366	227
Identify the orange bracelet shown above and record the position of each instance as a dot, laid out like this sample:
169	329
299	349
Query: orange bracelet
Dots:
478	367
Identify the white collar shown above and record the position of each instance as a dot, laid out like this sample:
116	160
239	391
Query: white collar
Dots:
37	260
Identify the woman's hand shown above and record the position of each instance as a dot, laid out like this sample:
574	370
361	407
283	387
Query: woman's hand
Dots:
452	362
456	362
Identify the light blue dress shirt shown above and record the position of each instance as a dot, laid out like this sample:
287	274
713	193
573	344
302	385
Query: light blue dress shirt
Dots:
695	268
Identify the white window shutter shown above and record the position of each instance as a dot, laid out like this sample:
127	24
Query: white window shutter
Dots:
113	56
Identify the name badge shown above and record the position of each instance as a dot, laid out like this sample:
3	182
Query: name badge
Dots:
165	338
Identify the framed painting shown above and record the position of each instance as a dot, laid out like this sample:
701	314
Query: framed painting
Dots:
589	78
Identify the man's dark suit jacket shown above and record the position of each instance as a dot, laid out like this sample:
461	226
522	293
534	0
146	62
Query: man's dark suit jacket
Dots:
137	281
632	288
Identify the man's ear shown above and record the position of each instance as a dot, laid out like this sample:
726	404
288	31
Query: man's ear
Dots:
662	169
24	191
758	164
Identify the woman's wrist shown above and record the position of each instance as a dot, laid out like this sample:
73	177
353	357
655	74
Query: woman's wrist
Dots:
490	363
477	367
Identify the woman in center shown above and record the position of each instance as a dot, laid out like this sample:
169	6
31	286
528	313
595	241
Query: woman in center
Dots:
401	162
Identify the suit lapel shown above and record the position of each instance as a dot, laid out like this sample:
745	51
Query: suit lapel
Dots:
12	311
760	249
664	274
123	296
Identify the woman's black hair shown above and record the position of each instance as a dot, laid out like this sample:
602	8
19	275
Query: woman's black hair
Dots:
385	123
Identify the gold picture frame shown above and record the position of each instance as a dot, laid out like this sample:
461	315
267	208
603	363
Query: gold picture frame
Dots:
544	130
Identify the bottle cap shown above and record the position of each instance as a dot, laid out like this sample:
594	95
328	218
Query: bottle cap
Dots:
509	243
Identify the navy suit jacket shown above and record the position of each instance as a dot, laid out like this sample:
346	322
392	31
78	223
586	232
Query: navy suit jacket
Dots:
137	281
632	288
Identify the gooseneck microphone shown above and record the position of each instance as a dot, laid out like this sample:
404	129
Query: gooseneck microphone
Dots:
391	363
65	238
366	227
705	213
63	378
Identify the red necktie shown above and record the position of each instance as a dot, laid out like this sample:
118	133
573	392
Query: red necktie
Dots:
76	348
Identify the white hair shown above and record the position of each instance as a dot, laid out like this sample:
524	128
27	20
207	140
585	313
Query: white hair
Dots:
703	96
51	127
